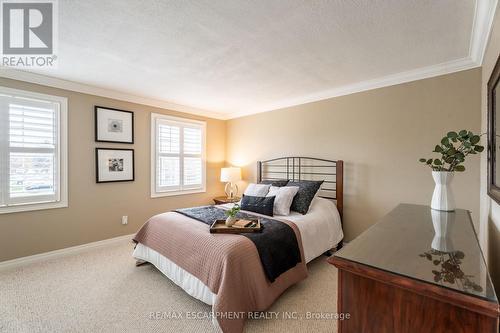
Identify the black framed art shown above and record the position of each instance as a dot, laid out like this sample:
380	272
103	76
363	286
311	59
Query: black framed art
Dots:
113	125
494	133
114	165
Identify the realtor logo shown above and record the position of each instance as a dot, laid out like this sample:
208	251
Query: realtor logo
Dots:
28	33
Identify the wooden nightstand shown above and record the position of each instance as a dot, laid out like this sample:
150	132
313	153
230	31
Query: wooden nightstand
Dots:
225	200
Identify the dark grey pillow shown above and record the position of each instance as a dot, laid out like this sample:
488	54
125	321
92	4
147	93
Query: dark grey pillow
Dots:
277	183
305	195
261	205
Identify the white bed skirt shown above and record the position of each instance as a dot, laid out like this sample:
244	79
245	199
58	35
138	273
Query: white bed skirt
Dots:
192	285
187	281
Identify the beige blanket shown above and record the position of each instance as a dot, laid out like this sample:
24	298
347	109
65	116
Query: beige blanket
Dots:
229	265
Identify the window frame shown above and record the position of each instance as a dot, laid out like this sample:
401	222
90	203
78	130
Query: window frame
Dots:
61	155
155	193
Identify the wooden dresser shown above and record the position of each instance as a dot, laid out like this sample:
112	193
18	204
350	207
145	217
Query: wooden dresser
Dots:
402	276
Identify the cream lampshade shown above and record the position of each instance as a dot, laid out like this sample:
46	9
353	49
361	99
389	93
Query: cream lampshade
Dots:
231	176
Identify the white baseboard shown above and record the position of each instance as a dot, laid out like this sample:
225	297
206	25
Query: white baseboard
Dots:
62	252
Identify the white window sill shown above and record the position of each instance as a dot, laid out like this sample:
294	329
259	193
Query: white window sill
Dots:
175	193
31	207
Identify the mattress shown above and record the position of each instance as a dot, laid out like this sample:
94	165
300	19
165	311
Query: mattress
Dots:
320	230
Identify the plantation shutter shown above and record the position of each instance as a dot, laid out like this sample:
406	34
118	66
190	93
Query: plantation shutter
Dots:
192	157
179	155
169	156
29	151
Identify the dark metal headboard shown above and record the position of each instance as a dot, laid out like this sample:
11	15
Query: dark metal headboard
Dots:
307	168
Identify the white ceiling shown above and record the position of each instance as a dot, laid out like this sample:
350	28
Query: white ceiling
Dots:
226	58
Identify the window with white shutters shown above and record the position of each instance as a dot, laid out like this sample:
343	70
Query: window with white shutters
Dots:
32	151
177	155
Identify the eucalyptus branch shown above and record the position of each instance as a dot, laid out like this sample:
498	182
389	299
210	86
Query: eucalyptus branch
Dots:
233	211
454	148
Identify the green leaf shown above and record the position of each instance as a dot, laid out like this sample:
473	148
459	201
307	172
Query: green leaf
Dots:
452	135
423	160
462	133
475	139
451	151
479	148
429	161
445	141
460	168
438	149
437	162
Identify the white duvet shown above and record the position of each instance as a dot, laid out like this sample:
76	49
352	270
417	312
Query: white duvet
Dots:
320	228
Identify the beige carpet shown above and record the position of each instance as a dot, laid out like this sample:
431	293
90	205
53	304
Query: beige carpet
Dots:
102	291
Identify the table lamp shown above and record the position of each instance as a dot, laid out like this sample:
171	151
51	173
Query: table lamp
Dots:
231	176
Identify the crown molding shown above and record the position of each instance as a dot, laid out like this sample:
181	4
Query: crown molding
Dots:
482	23
49	81
386	81
481	28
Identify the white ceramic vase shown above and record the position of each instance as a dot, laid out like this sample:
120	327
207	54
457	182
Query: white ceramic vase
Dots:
442	198
230	221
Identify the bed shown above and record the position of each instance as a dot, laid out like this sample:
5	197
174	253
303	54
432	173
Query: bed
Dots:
226	271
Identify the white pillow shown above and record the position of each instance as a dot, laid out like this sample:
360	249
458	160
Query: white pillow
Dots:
257	190
283	198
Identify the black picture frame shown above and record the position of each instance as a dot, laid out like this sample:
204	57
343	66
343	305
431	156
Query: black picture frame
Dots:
113	181
96	136
493	83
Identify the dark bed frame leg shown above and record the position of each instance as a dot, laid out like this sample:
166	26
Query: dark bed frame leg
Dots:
139	262
330	252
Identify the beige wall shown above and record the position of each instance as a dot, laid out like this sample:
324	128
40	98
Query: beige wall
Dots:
95	210
490	210
380	134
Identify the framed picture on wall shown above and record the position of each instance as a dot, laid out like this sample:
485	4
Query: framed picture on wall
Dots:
114	165
113	125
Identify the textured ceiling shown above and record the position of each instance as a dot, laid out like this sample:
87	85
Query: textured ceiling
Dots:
240	56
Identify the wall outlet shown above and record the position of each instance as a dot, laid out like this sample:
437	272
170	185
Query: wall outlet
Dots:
124	220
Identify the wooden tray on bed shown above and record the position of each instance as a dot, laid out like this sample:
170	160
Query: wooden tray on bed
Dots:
219	227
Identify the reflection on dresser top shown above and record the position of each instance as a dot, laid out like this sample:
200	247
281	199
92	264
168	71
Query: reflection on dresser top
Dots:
414	241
